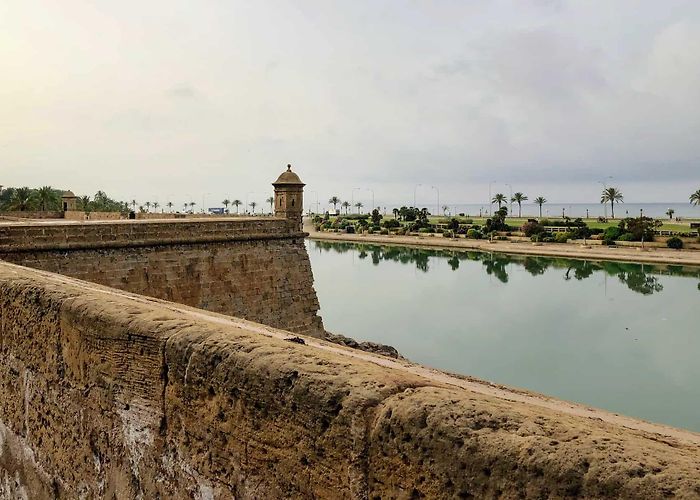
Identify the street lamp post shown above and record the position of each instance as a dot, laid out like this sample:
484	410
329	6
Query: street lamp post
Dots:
414	194
371	191
490	202
352	196
510	207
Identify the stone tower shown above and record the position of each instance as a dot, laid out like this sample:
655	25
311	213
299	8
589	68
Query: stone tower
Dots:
289	197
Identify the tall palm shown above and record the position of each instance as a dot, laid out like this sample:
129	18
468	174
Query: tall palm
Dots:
334	200
47	198
170	206
358	205
226	203
500	199
695	198
148	206
22	199
670	213
133	205
611	195
192	204
271	201
253	205
540	200
519	198
236	203
346	206
396	213
155	206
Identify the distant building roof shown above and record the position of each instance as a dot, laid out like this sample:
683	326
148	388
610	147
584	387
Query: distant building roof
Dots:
288	178
68	194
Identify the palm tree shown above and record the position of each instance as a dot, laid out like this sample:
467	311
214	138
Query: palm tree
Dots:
236	203
540	200
226	203
253	205
445	208
85	203
519	198
133	205
335	200
345	205
670	213
271	201
170	206
22	199
46	197
192	204
358	205
611	195
695	198
396	213
155	206
500	199
148	206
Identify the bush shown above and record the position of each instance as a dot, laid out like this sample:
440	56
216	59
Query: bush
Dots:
612	233
473	234
675	243
626	237
447	234
384	232
391	223
426	230
350	229
562	237
532	228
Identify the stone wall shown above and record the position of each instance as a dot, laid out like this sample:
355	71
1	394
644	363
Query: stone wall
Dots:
79	215
108	395
48	214
255	269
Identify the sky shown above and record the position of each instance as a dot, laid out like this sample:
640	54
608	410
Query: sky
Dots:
169	100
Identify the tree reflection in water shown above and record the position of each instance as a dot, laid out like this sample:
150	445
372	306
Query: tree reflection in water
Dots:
640	278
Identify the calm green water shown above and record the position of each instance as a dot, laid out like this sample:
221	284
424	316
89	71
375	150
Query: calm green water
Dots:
624	337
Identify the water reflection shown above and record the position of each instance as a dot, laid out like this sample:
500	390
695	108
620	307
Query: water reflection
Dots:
640	278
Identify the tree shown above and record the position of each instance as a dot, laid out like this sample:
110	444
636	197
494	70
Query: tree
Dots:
226	203
358	205
519	198
253	205
271	201
611	195
85	204
148	206
540	200
22	199
47	198
335	200
346	206
236	203
670	213
500	199
155	206
445	208
133	205
396	213
695	198
192	204
170	206
376	216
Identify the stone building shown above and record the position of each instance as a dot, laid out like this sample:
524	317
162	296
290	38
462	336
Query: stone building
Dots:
289	196
69	201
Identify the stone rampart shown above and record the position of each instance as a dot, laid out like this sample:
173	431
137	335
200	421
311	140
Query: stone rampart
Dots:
47	214
104	394
252	268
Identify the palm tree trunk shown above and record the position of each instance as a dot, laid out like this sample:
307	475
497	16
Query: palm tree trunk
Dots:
540	211
612	208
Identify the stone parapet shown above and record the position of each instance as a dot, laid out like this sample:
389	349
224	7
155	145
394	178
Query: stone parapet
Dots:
104	394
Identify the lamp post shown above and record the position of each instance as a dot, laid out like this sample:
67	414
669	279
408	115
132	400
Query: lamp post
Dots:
510	207
490	202
316	193
414	194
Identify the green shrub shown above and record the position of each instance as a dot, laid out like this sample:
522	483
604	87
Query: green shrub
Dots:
391	223
447	234
532	228
384	231
562	237
473	234
548	239
675	243
626	237
426	230
612	233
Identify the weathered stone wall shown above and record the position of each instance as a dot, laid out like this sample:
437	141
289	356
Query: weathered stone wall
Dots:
107	395
47	214
253	269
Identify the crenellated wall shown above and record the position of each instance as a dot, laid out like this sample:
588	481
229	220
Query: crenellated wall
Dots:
104	394
252	268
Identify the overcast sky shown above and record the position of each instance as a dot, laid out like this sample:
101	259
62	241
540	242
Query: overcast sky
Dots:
170	100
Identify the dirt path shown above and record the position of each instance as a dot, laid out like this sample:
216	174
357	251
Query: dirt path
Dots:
625	254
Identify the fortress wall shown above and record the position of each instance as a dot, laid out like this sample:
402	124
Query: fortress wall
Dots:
253	269
105	394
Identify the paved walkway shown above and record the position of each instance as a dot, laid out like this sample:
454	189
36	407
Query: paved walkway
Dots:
597	252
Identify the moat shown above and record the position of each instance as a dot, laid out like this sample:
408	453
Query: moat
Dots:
618	336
